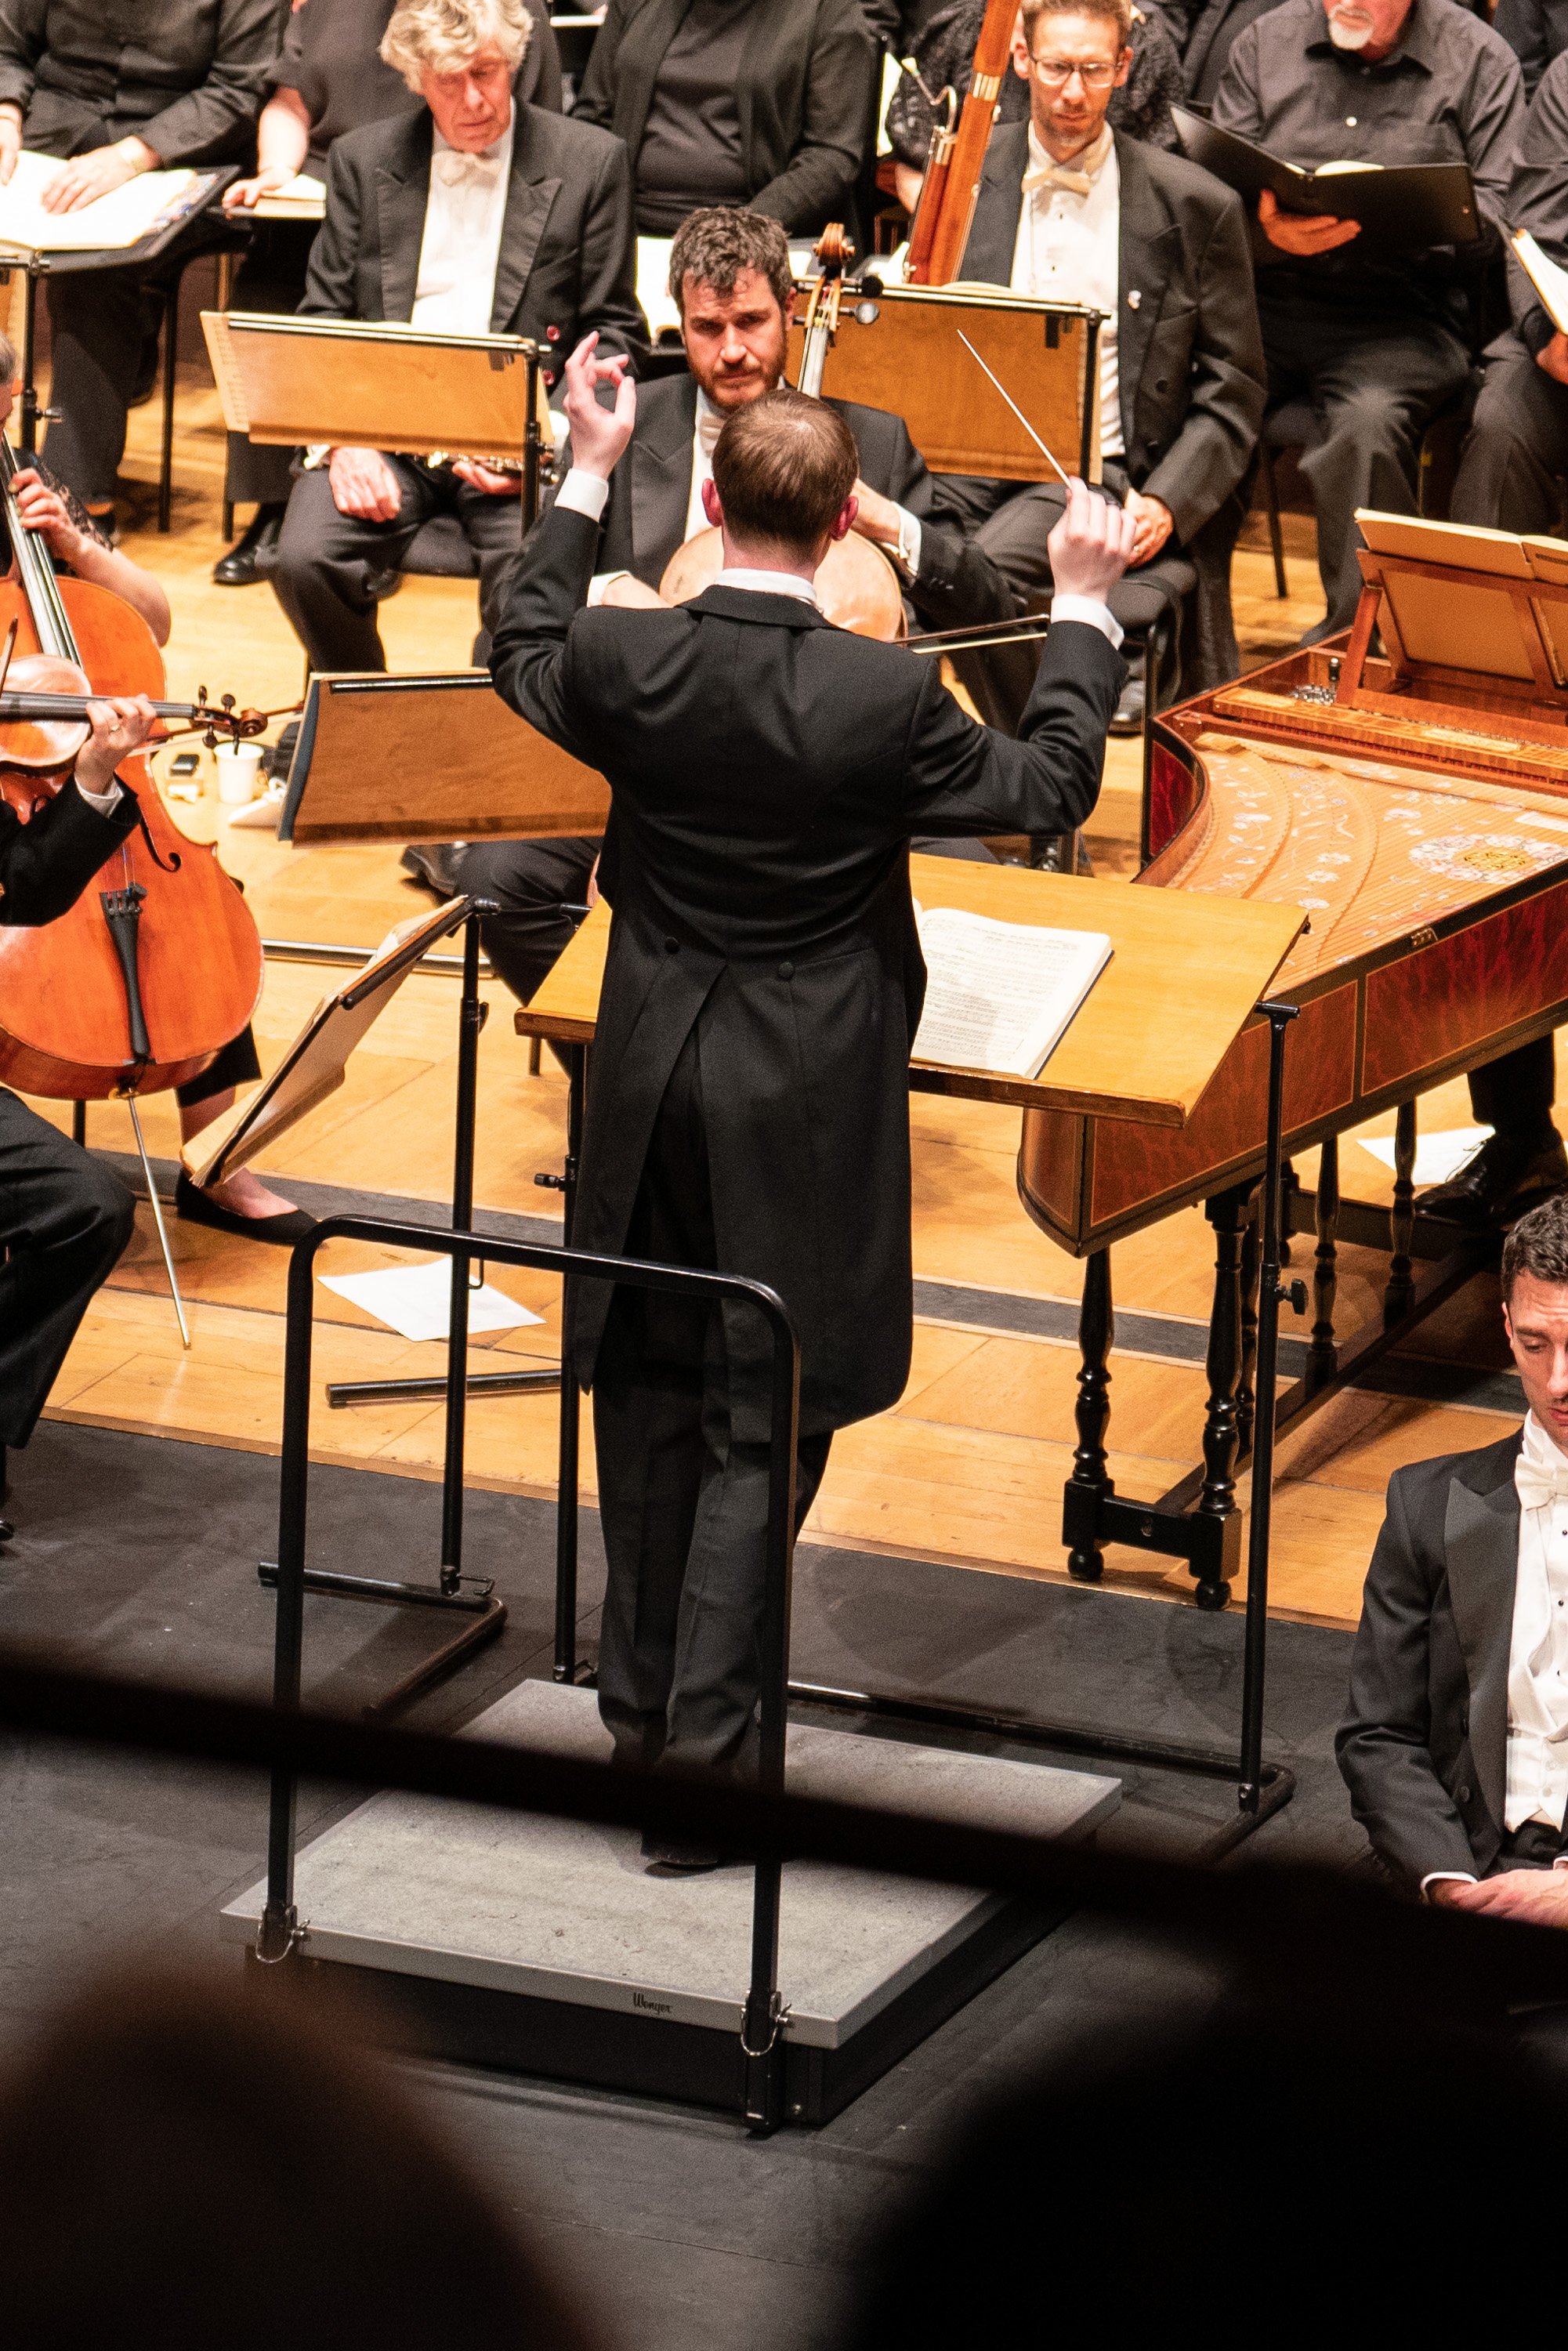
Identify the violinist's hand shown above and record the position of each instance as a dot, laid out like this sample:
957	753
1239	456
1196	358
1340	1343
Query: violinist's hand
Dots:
1154	523
1092	545
45	511
242	195
87	177
120	724
485	479
599	435
364	485
1302	233
10	141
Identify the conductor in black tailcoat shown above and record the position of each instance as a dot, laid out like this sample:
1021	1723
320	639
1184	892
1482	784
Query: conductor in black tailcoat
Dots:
747	1096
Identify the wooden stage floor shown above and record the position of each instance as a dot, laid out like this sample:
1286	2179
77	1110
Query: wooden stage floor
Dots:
969	1467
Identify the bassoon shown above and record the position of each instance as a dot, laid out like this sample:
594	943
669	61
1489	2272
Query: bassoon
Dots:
946	208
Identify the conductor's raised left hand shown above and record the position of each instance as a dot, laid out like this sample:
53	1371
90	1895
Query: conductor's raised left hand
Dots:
1092	545
599	435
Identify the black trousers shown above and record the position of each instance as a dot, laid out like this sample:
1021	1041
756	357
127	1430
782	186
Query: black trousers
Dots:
64	1221
270	278
1514	460
323	557
102	325
684	1506
1515	1092
1374	382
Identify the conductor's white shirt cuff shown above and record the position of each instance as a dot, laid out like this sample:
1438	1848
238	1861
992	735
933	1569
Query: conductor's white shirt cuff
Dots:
1087	608
583	493
1449	1876
104	802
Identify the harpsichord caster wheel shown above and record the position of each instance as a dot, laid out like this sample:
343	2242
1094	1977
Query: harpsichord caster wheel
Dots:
1212	1597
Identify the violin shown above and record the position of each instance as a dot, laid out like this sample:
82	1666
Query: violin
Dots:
140	984
857	587
945	212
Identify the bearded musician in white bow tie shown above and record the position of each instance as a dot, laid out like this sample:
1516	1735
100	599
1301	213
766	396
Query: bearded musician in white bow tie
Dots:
1070	209
1455	1744
475	215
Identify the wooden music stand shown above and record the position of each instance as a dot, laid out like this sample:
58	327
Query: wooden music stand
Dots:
291	382
901	351
430	759
1136	1050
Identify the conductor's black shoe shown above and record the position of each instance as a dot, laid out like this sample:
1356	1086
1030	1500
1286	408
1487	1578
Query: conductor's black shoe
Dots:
250	557
438	864
668	1856
1128	715
195	1207
1499	1183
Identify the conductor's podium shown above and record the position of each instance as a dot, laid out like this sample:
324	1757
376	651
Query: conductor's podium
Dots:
1415	807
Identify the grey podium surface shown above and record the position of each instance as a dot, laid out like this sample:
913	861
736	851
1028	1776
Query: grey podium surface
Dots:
565	1912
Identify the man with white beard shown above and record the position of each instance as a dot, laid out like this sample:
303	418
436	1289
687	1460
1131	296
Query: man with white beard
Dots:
1376	341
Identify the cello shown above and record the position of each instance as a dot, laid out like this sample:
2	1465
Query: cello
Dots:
857	587
140	985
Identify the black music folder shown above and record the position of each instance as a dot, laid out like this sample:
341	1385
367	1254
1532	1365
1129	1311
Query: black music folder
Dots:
1402	207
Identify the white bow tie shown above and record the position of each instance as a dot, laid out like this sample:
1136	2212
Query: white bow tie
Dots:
454	167
1539	1484
709	427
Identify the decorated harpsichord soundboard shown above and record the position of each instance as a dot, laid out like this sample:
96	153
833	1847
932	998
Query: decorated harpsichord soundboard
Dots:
1415	807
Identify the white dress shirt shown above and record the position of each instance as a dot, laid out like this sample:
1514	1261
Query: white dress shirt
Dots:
1068	247
455	288
1537	1765
588	493
710	423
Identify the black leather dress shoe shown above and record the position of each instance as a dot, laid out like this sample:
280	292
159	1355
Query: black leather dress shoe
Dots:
1127	718
1499	1183
381	583
194	1206
250	558
437	865
668	1856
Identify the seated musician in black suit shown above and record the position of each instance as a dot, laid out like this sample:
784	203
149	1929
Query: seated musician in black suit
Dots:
120	91
1377	343
1071	208
1511	479
730	273
1455	1743
328	78
473	214
748	1101
735	102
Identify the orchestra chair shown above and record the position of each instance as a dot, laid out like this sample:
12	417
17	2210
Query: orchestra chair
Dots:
1295	425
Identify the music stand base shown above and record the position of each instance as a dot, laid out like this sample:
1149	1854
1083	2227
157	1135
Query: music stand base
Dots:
477	1603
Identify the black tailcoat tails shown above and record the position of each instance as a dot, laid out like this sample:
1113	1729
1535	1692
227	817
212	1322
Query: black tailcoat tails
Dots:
767	771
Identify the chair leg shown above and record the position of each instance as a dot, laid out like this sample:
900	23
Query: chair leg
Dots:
1276	537
1151	683
171	354
78	1123
228	518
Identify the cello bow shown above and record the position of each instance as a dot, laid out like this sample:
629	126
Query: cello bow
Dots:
940	229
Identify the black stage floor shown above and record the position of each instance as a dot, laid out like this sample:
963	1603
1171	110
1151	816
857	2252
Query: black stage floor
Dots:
140	1554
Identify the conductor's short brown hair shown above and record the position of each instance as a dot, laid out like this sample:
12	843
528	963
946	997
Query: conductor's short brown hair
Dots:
783	468
1538	1245
715	246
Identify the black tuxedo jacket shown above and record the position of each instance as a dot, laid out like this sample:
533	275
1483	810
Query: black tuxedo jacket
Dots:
804	95
566	263
1189	350
1424	1743
767	773
650	490
46	863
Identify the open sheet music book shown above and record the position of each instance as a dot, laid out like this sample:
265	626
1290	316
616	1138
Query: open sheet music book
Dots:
109	225
1401	208
1000	995
1549	281
300	198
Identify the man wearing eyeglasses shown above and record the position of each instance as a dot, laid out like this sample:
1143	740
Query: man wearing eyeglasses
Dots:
1377	342
1072	210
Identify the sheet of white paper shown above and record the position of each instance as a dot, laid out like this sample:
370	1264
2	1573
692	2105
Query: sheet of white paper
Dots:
654	284
119	219
416	1299
1437	1156
303	197
1000	995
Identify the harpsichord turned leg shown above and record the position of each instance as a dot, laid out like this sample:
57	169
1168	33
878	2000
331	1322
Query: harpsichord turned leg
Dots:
1400	1295
1322	1354
1089	1481
1228	1213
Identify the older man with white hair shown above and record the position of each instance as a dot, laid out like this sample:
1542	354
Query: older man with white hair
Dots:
475	214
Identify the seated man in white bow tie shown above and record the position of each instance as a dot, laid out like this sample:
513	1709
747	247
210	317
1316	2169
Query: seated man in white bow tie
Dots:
475	215
1455	1744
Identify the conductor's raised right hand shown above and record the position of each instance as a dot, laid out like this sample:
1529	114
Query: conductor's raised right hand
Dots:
599	435
1092	545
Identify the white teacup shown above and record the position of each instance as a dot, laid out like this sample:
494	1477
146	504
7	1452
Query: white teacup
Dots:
239	772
